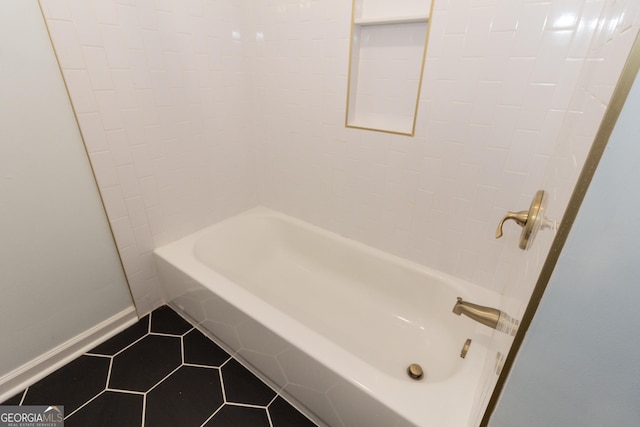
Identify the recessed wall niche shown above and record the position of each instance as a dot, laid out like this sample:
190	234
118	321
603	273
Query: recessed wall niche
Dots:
386	62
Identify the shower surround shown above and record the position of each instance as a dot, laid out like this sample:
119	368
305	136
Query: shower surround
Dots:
193	111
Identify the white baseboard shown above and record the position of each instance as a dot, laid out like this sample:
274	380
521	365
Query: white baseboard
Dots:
38	368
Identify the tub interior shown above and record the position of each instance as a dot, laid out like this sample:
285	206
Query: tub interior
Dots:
387	314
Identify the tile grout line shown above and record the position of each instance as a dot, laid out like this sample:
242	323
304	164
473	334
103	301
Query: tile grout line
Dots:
164	378
123	391
195	365
277	393
212	415
274	398
106	386
224	391
96	355
85	403
163	334
269	415
127	347
182	350
245	405
144	408
275	390
144	396
227	361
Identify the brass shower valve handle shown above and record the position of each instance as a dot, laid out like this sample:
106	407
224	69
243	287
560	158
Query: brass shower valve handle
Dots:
530	221
519	217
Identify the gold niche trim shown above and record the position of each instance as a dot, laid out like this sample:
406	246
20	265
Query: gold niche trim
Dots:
350	68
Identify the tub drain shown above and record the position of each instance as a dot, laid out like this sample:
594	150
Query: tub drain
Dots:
415	371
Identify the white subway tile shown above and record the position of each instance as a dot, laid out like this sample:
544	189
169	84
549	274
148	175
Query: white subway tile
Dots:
81	92
139	68
584	32
136	131
147	14
477	42
122	232
161	88
133	267
124	89
485	103
533	114
531	22
565	87
86	23
153	49
127	2
97	67
564	15
109	110
142	160
459	121
150	191
505	16
144	242
128	181
137	211
67	45
499	43
149	268
119	145
457	17
504	126
104	169
516	80
148	109
114	47
57	10
113	202
551	59
130	27
551	135
92	132
521	151
105	12
156	222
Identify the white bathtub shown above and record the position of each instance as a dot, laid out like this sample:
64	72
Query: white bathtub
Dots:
331	323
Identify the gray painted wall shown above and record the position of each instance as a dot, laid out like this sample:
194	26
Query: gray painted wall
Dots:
59	269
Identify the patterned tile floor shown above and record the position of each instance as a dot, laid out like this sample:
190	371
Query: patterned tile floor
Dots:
160	372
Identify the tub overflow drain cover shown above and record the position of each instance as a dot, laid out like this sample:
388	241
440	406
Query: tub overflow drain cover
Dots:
415	371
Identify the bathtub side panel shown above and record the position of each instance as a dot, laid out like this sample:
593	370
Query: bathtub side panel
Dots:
312	387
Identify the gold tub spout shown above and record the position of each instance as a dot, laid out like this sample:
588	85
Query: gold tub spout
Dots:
486	315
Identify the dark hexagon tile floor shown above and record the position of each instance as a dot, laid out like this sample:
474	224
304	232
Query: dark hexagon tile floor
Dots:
145	363
241	386
161	372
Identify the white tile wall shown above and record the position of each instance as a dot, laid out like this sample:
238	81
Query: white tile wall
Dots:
497	86
193	111
605	32
169	150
